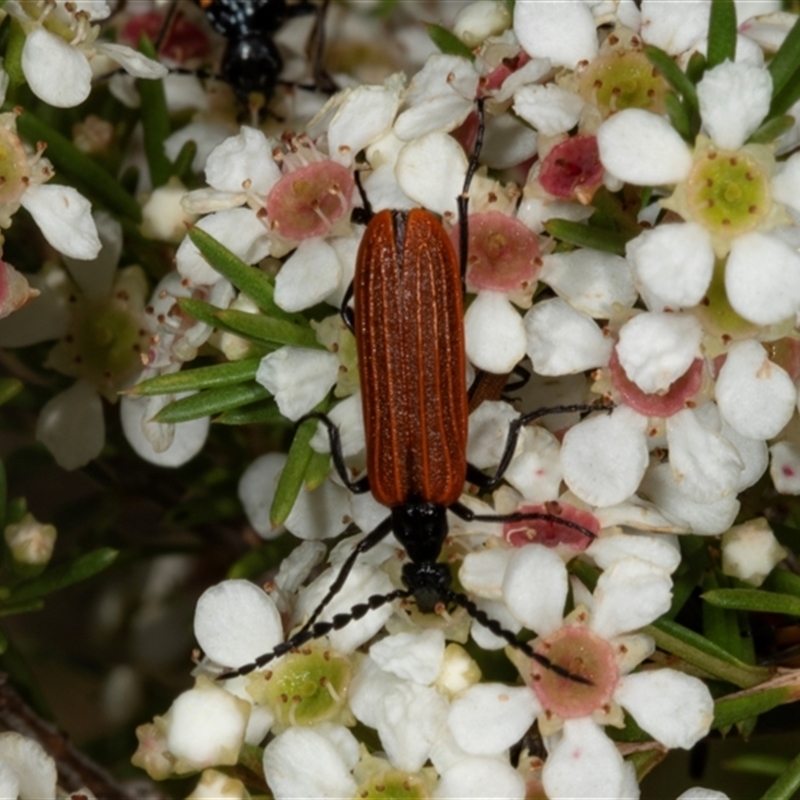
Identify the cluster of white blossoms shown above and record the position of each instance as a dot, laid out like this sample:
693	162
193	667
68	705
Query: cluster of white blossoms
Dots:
683	316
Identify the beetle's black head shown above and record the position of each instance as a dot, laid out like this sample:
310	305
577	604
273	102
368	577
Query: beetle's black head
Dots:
252	64
429	583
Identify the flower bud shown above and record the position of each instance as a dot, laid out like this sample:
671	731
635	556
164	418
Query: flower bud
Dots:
30	542
750	551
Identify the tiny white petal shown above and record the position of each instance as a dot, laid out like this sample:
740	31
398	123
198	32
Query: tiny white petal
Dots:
550	109
64	217
734	98
660	550
479	20
584	763
675	708
349	419
57	73
785	467
498	611
95	277
562	341
308	276
592	282
750	551
698	793
9	782
762	278
495	334
480	778
755	396
132	61
786	183
321	513
672	264
655	349
563	31
243	163
605	457
416	657
753	453
535	588
298	378
488	718
508	142
488	432
34	768
482	572
71	425
535	471
235	622
674	27
644	149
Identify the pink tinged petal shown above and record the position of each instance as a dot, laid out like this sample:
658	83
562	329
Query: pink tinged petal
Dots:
235	622
703	519
416	657
430	170
34	769
480	777
655	349
562	341
769	31
572	169
785	467
174	444
298	378
550	109
488	718
590	281
308	276
96	277
672	265
703	461
762	278
630	594
674	27
15	291
535	588
644	149
71	425
440	97
288	756
494	332
673	707
57	73
562	31
238	229
734	98
132	61
584	763
257	490
659	550
65	219
605	457
755	396
243	163
786	184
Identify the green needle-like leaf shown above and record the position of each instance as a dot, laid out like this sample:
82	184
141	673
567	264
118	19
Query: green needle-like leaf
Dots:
448	43
672	74
787	97
267	329
9	387
754	600
785	788
212	401
771	130
63	575
728	712
318	469
264	413
155	122
786	61
679	116
587	236
192	380
721	626
721	32
3	496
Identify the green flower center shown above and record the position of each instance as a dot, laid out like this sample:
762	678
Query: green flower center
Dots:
393	783
14	168
623	80
728	192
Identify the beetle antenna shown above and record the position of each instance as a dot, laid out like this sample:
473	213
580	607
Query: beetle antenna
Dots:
463	198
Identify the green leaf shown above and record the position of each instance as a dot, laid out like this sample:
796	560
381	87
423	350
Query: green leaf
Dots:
71	162
9	388
318	469
267	329
787	785
3	496
182	167
696	67
257	285
757	764
771	130
12	58
679	116
262	560
787	97
199	310
754	600
190	380
293	474
721	32
55	578
672	73
212	401
586	236
10	609
721	626
448	43
786	62
264	413
781	580
155	121
729	711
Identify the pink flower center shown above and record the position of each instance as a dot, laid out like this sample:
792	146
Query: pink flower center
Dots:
572	169
585	655
548	532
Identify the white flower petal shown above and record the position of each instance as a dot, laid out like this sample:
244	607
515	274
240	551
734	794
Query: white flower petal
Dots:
698	793
535	471
734	98
349	419
663	551
482	571
550	109
96	277
562	341
495	333
416	657
65	219
786	183
243	163
34	768
508	142
755	396
298	378
320	514
44	317
630	594
71	425
604	457
563	31
584	763
488	432
479	778
498	611
535	588
762	278
57	73
488	718
785	467
644	149
132	61
235	622
674	27
672	265
592	282
9	782
750	551
673	707
308	276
